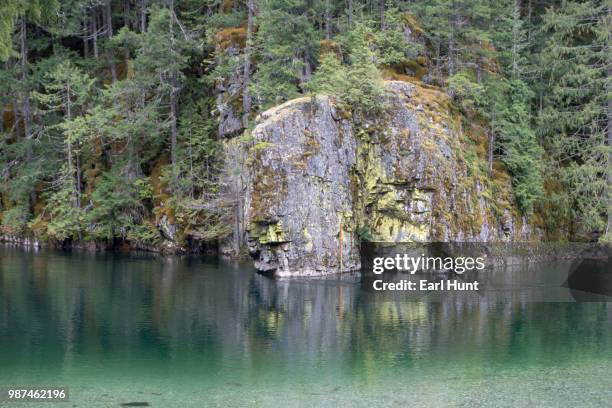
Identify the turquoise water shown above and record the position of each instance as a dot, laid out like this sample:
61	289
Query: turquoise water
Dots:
198	332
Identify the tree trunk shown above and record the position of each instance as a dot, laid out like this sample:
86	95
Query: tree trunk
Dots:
74	174
85	38
78	178
516	37
382	15
490	151
173	90
541	103
609	131
108	16
191	174
246	76
109	33
94	33
143	16
451	41
238	186
126	24
327	20
238	218
438	56
27	112
70	169
126	14
529	11
26	107
608	189
350	13
307	71
173	113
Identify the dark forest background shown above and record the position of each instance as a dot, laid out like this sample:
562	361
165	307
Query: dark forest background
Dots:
110	108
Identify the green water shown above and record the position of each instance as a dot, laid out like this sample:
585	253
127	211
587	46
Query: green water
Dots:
196	332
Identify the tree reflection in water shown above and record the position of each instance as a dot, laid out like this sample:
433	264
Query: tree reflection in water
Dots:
207	317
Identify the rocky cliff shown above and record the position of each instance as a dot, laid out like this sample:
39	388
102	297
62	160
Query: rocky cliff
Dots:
320	180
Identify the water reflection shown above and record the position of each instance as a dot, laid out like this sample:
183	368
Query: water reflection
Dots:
59	311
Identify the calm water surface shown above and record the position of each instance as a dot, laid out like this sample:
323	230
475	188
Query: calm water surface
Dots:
197	332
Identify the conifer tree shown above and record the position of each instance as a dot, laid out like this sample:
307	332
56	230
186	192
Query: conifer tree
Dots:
575	117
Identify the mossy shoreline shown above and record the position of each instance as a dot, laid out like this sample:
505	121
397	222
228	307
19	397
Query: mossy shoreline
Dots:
117	245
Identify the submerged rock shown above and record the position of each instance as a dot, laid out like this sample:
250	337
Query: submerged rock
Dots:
320	180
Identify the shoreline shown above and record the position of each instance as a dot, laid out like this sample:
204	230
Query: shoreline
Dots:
120	246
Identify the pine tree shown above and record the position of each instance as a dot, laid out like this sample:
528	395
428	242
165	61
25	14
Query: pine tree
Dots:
107	158
287	48
35	11
358	83
460	31
576	113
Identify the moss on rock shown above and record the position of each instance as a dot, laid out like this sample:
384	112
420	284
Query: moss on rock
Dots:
326	181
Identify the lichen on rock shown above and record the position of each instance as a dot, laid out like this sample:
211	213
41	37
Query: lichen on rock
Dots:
319	177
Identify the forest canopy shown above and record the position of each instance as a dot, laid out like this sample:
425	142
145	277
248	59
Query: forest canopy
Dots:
113	117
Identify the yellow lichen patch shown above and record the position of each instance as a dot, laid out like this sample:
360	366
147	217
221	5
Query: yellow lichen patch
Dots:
418	194
307	241
408	71
330	47
386	201
268	233
312	145
269	185
39	207
161	197
431	146
262	146
155	176
412	23
501	176
413	69
39	225
369	167
435	99
233	36
91	176
129	73
381	201
388	229
418	67
490	65
125	69
8	116
227	6
390	74
464	175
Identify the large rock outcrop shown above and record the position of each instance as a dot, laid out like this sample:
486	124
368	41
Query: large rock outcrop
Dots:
320	180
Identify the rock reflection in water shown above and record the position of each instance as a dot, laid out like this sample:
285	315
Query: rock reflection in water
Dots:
210	316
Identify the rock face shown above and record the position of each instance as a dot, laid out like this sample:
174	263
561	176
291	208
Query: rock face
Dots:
299	191
319	181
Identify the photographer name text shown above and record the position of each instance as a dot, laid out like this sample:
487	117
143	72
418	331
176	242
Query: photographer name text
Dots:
409	264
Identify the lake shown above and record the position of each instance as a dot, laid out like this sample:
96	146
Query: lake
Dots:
205	332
